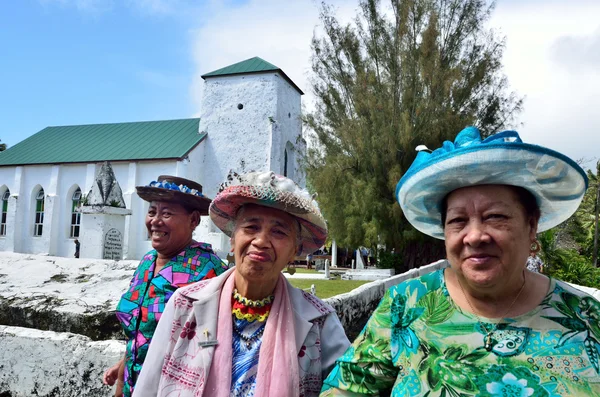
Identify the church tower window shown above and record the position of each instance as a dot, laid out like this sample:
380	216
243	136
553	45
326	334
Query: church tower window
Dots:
285	162
75	215
5	197
39	213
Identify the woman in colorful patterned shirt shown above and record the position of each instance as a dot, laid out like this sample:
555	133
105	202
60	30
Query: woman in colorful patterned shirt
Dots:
249	332
176	205
484	326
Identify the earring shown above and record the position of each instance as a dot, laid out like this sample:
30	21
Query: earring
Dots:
534	248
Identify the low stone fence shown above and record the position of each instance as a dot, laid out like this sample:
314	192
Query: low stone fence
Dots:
354	307
80	295
53	364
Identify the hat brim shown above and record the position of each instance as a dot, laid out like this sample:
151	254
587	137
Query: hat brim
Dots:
556	181
224	208
196	203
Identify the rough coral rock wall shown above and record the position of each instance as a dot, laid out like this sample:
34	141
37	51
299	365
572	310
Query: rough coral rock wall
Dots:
355	307
63	294
53	364
79	295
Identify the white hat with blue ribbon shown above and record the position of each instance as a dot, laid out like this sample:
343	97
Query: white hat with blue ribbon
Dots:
557	182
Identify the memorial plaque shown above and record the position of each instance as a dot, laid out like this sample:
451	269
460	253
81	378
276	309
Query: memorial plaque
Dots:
113	245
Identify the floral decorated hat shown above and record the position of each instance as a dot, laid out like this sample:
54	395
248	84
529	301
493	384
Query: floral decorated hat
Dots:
270	190
556	181
173	188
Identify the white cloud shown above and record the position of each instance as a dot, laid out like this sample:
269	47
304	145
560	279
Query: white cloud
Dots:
280	32
561	97
548	59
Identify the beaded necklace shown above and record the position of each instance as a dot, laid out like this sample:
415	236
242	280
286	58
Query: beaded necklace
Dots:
249	310
245	312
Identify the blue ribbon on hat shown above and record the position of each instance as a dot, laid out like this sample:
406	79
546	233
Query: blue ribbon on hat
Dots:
173	186
468	137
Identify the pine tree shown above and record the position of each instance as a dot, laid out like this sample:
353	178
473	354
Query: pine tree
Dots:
416	72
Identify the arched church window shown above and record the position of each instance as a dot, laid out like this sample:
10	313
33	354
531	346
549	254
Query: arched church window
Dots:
75	215
285	161
5	197
39	213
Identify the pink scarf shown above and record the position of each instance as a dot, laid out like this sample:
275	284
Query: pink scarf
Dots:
278	373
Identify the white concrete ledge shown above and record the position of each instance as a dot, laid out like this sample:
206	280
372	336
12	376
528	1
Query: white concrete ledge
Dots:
48	364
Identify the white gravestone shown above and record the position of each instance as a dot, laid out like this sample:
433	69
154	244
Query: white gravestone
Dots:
113	245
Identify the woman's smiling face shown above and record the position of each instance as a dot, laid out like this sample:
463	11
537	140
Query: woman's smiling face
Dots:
488	234
264	242
170	226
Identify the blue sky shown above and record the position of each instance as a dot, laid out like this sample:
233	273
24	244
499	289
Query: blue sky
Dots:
67	62
66	65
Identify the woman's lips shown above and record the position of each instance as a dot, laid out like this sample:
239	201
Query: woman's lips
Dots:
479	259
259	256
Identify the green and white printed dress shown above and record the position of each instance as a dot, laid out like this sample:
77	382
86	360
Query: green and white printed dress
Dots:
419	343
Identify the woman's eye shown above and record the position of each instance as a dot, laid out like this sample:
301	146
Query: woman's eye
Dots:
280	232
496	216
454	220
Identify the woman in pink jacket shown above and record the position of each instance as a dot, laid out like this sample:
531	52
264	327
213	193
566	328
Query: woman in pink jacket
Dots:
248	332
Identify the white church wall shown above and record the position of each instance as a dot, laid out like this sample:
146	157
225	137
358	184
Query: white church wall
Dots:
32	179
289	120
238	139
59	182
72	176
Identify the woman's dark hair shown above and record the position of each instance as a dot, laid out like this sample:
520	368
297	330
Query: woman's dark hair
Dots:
525	197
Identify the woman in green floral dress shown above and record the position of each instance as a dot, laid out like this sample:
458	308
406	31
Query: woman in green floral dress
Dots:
484	326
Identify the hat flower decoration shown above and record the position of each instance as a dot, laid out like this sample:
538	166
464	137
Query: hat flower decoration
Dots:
557	182
269	190
176	189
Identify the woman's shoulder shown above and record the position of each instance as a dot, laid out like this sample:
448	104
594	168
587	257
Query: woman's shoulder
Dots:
198	289
563	288
418	286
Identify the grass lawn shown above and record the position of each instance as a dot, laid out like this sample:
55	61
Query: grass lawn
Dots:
303	270
327	288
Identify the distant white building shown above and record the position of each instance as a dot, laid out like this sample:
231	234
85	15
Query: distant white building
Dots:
250	120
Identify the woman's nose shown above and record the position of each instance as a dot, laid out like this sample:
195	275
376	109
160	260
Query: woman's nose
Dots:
476	234
261	238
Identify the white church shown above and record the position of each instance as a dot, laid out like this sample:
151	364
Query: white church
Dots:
250	120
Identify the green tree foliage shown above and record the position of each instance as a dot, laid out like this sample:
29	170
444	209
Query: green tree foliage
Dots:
2	147
587	218
404	73
566	264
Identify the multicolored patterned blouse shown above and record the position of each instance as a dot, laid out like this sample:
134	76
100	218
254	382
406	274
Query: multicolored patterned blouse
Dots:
419	343
249	321
142	305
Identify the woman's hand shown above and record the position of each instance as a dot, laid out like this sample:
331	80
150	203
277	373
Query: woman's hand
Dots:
112	374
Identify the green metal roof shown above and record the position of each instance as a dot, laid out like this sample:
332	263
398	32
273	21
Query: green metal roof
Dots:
145	140
250	66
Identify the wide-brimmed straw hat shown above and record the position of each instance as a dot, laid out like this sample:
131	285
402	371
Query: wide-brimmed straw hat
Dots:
556	181
270	190
173	188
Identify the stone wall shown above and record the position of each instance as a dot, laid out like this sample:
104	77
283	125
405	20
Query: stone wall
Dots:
79	295
354	307
53	364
